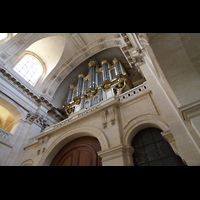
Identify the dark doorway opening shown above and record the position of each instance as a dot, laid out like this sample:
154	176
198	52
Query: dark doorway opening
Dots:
151	149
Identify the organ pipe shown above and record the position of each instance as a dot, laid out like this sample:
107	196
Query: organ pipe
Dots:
118	67
106	74
71	88
80	84
95	85
92	74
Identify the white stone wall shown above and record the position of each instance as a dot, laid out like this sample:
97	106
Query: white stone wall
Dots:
162	103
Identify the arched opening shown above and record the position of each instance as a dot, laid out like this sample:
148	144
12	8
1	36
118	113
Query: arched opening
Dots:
29	68
50	50
11	122
79	152
69	136
151	149
7	120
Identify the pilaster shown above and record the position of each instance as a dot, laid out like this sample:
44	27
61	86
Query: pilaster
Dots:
120	155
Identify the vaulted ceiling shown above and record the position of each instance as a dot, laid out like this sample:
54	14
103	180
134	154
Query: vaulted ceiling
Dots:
65	54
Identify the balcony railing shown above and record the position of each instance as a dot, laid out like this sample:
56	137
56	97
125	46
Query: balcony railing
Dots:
5	137
133	92
126	96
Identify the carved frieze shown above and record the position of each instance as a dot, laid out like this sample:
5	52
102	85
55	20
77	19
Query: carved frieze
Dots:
38	119
30	94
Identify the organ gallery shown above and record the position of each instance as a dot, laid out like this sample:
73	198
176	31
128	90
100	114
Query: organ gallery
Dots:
99	99
102	82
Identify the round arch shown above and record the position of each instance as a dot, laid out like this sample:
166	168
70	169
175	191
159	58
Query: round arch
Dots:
14	109
67	137
142	122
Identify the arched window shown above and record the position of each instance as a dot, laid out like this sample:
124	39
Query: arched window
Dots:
3	36
29	68
7	120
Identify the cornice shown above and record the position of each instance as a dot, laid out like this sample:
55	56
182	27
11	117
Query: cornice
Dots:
131	51
29	93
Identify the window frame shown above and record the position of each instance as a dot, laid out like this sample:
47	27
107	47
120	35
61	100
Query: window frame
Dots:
40	79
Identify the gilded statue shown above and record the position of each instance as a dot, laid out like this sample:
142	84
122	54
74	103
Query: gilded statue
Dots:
120	86
69	110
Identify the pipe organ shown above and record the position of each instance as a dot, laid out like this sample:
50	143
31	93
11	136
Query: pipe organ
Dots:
102	82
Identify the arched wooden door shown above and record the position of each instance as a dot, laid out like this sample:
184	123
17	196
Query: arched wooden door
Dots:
151	149
79	152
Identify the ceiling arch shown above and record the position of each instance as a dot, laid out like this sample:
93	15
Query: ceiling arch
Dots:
86	51
61	92
50	50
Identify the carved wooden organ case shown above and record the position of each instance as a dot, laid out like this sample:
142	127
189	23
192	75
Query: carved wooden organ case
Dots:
102	82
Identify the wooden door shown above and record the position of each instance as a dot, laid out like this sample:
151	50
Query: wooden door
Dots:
79	152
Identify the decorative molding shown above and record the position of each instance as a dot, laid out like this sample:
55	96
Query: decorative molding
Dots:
42	145
29	93
5	137
134	92
124	152
38	119
104	118
111	111
168	136
191	110
133	54
112	40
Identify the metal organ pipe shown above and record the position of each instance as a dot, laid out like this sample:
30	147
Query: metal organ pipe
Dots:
106	74
71	88
92	74
80	84
92	89
118	66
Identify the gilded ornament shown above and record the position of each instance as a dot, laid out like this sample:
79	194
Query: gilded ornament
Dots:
115	60
71	86
106	84
92	63
81	75
120	86
91	91
120	78
77	100
104	61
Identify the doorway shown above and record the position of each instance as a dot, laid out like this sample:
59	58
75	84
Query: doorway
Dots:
151	149
79	152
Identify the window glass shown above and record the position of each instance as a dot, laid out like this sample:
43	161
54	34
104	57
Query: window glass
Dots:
29	68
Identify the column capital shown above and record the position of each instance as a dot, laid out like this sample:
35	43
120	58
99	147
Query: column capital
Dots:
120	155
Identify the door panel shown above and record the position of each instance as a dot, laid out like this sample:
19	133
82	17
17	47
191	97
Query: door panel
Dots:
79	152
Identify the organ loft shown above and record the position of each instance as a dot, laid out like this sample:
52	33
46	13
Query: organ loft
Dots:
103	81
99	99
